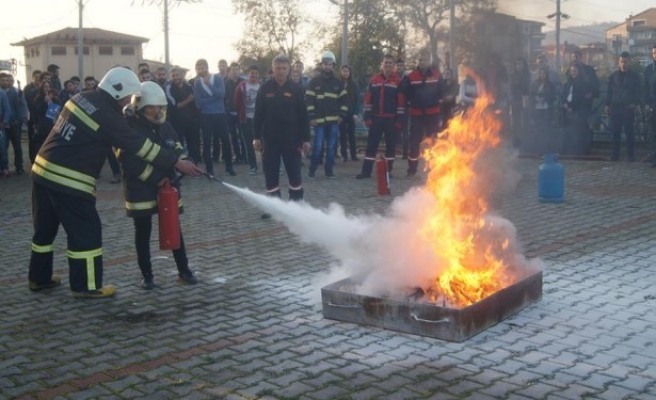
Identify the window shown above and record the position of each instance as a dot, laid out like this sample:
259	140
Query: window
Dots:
127	50
105	50
85	50
638	22
58	50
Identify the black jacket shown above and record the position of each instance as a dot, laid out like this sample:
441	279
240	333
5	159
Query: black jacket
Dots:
88	126
623	89
281	114
140	178
326	99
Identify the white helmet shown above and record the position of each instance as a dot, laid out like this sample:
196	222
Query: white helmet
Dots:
120	83
151	95
328	56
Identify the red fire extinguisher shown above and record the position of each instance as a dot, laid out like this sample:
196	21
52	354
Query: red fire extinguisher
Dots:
169	218
382	176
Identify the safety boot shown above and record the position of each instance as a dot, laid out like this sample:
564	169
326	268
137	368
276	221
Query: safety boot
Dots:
54	282
105	291
367	166
187	278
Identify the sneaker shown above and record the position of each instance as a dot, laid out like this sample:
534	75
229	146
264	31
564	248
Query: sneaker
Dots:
105	291
362	176
331	176
311	174
54	282
148	283
265	216
20	171
253	171
187	278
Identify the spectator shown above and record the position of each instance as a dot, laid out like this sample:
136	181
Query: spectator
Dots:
623	96
232	118
650	99
31	90
68	91
5	116
185	122
520	81
347	126
450	90
245	100
53	69
14	130
576	98
209	93
542	95
45	100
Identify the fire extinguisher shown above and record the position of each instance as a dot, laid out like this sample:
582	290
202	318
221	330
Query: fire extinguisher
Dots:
169	218
382	176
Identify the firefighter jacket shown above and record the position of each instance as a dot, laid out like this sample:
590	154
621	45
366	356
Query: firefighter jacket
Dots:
384	98
89	124
422	91
280	114
326	99
140	178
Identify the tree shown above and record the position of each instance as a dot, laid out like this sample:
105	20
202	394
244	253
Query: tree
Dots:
271	26
431	17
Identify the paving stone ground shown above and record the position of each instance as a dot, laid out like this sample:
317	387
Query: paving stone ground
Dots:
253	327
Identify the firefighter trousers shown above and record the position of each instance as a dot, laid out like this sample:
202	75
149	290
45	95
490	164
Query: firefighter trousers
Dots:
273	152
81	222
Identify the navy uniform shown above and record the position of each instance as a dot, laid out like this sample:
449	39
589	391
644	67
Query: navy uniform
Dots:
281	122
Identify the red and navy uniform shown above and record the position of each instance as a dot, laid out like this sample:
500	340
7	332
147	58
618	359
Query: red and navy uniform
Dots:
423	92
384	113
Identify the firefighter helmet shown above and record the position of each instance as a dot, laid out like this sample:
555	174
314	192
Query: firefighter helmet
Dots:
120	83
151	95
328	56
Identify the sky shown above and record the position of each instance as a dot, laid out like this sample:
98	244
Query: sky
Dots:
210	29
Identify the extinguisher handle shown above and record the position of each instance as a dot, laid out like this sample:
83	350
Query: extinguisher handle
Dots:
177	179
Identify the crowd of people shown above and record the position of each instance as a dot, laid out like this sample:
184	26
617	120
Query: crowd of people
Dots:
151	127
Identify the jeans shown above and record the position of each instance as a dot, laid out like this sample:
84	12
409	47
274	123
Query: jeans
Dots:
4	158
214	126
14	137
330	132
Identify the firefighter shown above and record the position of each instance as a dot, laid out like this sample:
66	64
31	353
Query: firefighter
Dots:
64	177
384	113
326	106
280	130
147	115
423	93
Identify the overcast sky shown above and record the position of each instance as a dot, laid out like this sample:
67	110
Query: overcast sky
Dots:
210	30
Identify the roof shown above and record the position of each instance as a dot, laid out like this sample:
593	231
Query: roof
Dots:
632	17
90	36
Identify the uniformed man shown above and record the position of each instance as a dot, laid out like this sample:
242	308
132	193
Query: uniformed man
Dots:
64	181
280	129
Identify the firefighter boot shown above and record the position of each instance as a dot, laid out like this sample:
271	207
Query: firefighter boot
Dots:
412	167
296	194
148	282
105	291
367	166
187	278
55	281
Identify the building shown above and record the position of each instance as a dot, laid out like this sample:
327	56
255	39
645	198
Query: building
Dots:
102	50
636	35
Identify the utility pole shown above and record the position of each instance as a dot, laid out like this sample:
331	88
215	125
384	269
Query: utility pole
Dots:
167	60
345	34
80	41
452	26
558	15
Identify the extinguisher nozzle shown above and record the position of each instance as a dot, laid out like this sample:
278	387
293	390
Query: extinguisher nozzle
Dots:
212	177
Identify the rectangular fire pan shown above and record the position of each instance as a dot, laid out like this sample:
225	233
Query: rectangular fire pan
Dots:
426	319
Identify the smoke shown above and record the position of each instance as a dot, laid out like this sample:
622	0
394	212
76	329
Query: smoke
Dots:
383	253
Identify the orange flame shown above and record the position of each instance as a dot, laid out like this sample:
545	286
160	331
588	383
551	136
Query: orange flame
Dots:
458	227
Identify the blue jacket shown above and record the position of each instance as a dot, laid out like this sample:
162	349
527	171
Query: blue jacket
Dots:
210	104
17	104
5	108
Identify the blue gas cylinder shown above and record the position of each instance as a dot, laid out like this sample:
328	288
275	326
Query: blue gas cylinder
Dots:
551	180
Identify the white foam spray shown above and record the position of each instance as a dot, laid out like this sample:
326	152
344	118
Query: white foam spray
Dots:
384	253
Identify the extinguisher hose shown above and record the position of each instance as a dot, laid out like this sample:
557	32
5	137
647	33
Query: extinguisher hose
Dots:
212	177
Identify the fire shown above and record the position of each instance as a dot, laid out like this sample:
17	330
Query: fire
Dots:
458	227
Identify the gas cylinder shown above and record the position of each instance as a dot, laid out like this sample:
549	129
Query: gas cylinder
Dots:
551	180
382	176
169	218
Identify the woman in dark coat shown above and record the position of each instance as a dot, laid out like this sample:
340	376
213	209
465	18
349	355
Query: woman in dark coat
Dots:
576	99
542	137
46	110
347	127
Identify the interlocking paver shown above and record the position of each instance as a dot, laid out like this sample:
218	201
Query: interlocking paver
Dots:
253	327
